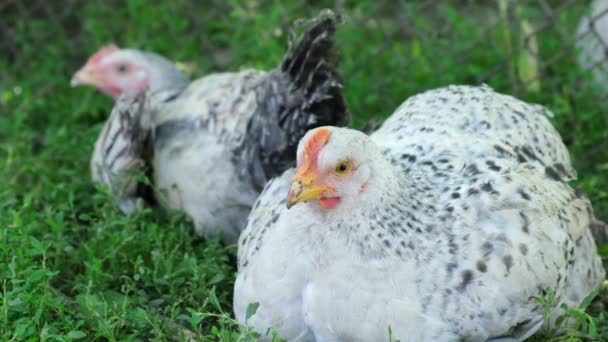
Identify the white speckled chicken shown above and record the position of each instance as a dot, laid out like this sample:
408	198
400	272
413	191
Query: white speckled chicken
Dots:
210	146
442	225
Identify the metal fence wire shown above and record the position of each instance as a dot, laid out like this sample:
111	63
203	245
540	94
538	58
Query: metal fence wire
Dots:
533	40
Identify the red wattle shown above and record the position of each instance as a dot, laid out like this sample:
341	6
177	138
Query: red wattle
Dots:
329	202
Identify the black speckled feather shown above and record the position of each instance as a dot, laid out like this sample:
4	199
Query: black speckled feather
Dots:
303	93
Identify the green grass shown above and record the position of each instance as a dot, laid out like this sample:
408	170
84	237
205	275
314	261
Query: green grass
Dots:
73	267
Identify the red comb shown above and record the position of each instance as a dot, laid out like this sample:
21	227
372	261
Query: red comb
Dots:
312	147
104	51
316	141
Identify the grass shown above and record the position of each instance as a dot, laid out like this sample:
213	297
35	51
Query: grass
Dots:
72	267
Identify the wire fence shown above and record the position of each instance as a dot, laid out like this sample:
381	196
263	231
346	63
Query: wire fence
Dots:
516	30
533	40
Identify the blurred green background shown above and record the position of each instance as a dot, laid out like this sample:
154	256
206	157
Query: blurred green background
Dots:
73	267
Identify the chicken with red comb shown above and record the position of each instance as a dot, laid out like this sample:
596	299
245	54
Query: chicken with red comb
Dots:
209	146
443	225
116	71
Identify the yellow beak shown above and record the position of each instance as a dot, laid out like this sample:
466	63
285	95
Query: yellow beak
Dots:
84	76
304	189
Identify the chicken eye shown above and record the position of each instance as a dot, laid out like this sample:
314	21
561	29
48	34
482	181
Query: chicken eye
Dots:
343	168
121	68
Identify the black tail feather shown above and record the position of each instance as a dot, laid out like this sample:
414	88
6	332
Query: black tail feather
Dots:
303	93
315	85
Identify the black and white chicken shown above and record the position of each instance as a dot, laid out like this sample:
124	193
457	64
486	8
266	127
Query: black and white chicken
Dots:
209	146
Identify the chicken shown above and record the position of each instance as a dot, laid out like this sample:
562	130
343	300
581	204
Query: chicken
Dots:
592	42
131	72
442	226
210	146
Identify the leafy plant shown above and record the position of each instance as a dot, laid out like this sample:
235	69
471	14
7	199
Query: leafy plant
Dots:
572	323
